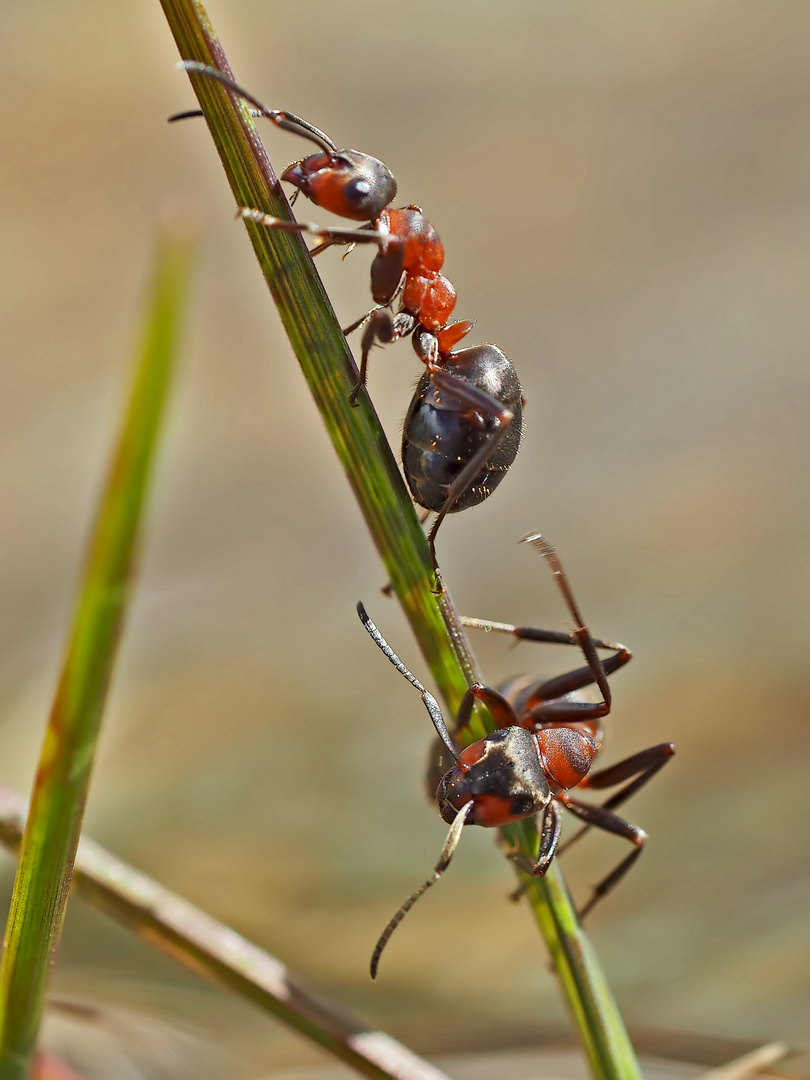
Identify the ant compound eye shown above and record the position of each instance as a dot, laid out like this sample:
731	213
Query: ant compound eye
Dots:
366	185
356	191
522	806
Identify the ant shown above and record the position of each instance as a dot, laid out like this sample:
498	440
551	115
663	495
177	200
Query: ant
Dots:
544	746
463	427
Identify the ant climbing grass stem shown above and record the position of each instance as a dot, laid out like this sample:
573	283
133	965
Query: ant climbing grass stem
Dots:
371	468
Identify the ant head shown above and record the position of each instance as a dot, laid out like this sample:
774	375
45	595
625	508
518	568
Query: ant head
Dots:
347	183
502	776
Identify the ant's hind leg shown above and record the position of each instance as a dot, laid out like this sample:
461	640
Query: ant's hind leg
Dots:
605	819
637	769
478	401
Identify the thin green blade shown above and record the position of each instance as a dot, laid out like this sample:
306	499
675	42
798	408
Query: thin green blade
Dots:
60	790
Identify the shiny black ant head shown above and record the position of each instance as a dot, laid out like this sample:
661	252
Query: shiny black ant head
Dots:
502	776
347	183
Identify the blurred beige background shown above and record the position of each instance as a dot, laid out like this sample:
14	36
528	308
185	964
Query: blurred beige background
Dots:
622	190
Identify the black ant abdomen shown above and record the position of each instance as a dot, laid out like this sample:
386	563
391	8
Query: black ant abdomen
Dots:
442	434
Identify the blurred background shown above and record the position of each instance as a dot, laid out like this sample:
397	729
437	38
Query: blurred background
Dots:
622	191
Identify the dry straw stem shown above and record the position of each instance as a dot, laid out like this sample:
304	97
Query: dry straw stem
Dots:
370	466
218	953
60	789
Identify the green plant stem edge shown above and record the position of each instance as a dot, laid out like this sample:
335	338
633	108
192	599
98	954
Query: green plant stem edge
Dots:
60	790
363	450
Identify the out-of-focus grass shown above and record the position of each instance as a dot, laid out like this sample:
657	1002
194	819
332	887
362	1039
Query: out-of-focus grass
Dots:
218	953
60	791
646	275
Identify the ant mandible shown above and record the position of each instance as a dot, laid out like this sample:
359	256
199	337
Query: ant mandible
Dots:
545	744
463	427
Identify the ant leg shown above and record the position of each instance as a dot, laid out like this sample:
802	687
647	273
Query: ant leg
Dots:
327	235
499	708
642	767
604	819
363	319
562	684
350	245
381	326
549	838
378	307
581	632
481	402
331	243
381	329
560	709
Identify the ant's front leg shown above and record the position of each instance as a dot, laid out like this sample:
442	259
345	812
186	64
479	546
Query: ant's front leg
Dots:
328	236
319	248
387	278
549	838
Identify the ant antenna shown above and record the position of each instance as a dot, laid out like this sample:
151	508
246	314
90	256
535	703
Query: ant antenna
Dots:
287	121
450	845
429	700
581	632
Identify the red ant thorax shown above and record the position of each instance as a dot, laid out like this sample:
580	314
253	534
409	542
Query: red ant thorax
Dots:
417	252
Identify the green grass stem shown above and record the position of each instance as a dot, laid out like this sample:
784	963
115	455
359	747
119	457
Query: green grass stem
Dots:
372	471
60	790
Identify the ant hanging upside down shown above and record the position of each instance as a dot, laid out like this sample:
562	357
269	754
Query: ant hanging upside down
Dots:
545	744
464	425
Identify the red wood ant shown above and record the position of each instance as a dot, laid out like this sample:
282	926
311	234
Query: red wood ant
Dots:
463	427
546	741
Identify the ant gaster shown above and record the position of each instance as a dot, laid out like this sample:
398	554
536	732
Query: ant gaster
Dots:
463	427
545	744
